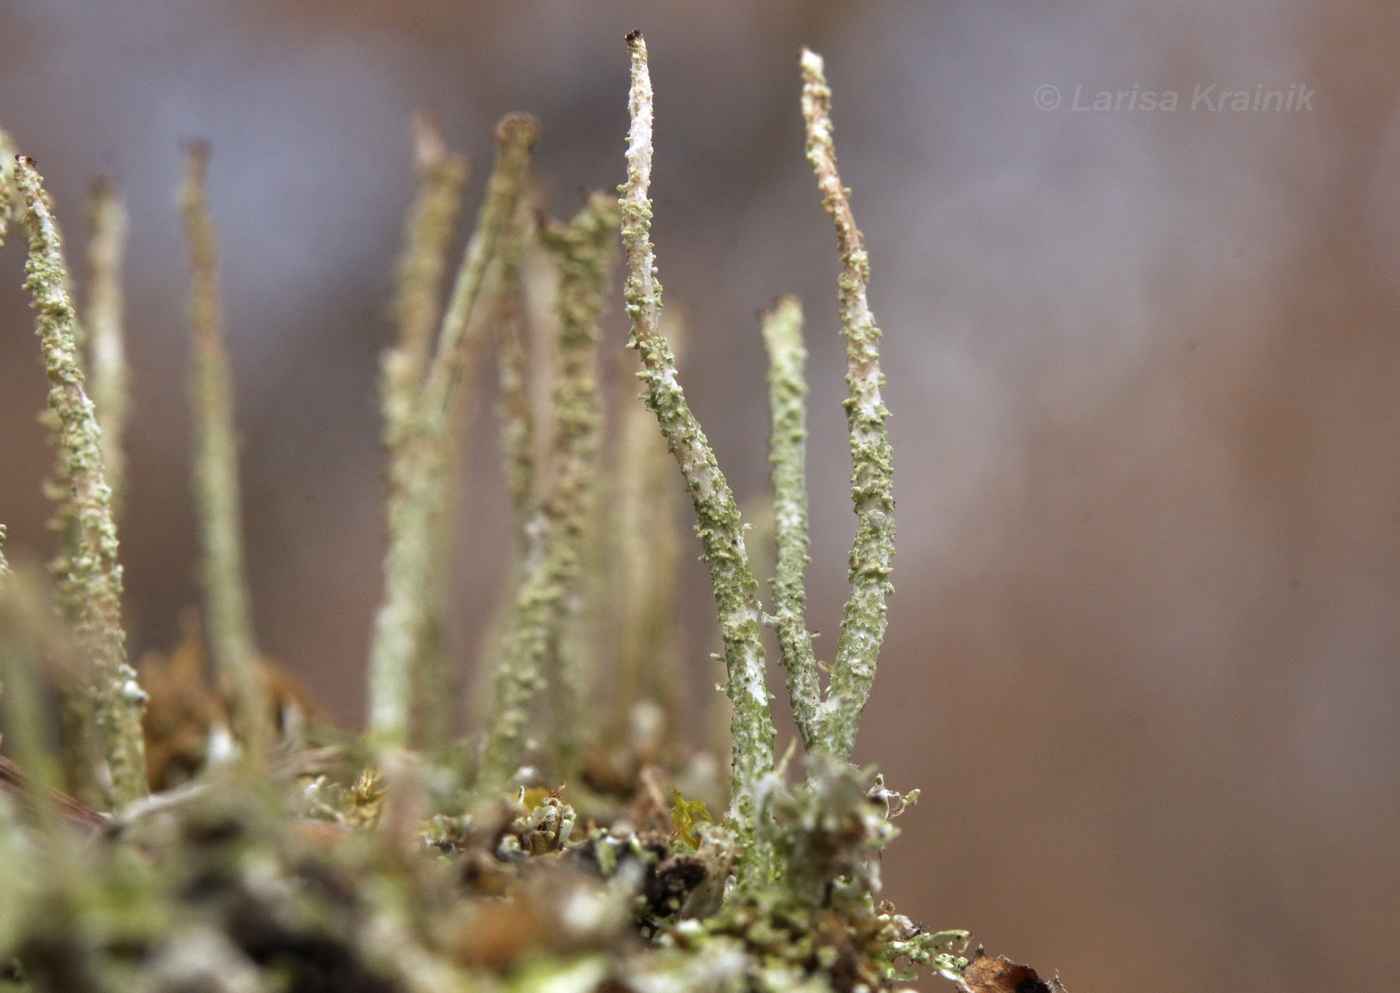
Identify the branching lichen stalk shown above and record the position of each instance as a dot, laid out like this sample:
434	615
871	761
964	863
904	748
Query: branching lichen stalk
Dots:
415	511
555	533
87	570
787	402
106	342
227	599
863	620
718	522
441	179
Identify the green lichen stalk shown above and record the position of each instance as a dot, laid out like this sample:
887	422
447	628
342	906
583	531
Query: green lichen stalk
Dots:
643	518
416	510
583	251
555	532
516	413
227	599
106	345
719	526
87	570
787	401
863	621
9	195
441	179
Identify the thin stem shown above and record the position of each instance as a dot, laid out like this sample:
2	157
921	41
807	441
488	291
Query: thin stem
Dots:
555	533
442	177
718	526
106	346
787	401
87	570
644	516
512	365
415	512
863	620
437	205
225	582
9	194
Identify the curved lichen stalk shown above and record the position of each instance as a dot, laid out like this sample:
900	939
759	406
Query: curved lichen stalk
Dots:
863	621
718	524
88	573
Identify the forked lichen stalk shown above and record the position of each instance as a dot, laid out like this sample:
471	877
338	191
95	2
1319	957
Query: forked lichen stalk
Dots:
787	402
416	510
423	267
863	621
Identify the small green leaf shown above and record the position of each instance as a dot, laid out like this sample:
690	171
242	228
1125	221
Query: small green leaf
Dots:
688	815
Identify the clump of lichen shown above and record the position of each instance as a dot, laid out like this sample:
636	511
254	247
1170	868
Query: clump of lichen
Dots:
545	851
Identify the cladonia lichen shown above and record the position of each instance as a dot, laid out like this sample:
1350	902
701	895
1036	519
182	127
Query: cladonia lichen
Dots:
569	841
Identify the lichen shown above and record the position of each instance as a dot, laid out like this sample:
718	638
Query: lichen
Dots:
228	602
566	844
87	570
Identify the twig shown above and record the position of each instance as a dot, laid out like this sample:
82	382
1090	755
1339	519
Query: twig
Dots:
88	573
863	620
719	526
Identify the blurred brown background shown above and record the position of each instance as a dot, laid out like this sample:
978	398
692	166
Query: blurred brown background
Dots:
1144	368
